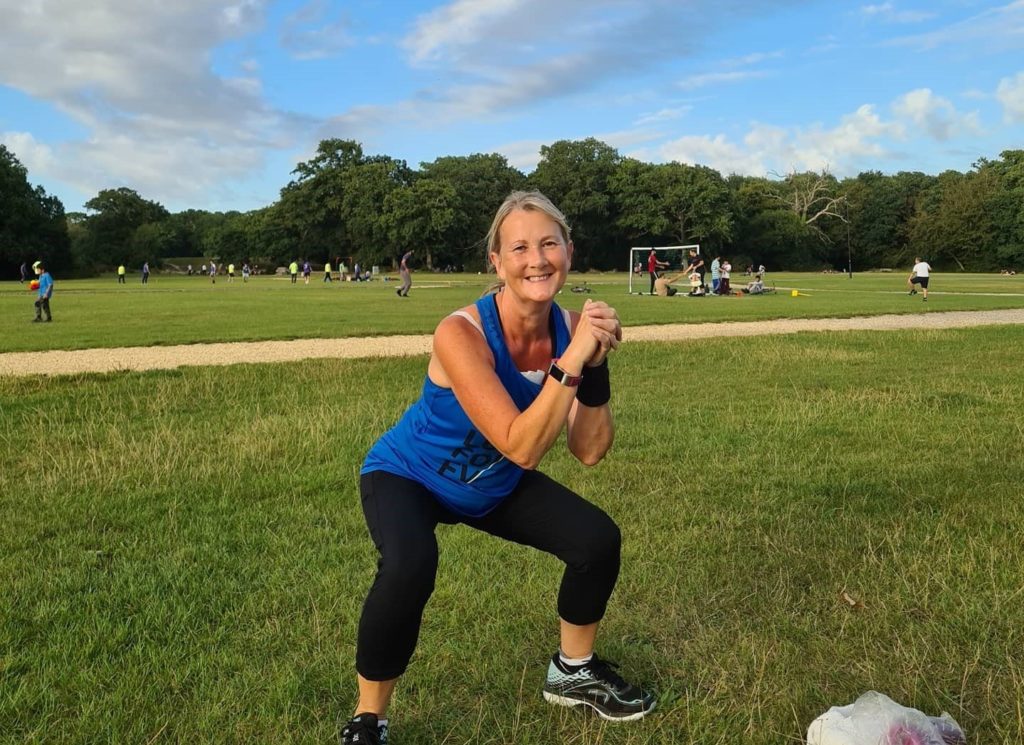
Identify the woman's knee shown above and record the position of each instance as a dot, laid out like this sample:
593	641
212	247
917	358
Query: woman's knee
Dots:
601	542
409	569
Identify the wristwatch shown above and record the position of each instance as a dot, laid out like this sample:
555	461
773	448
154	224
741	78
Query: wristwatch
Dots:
569	381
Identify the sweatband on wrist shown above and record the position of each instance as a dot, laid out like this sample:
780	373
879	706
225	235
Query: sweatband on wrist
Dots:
595	389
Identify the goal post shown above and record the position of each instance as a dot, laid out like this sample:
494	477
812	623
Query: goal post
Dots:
676	256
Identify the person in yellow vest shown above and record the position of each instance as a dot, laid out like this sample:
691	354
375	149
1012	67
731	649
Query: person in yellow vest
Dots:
121	275
231	272
327	272
293	269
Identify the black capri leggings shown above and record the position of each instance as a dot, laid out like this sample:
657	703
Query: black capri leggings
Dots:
402	515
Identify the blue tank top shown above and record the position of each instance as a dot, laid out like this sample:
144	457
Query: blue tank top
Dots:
436	444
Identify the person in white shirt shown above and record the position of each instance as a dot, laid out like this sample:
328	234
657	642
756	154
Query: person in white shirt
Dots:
919	276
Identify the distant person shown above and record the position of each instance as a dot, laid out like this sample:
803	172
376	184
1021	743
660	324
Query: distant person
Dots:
45	293
726	271
761	270
145	272
121	272
663	285
696	265
327	272
189	270
307	269
245	272
204	269
696	287
213	273
231	273
756	287
653	265
406	275
293	270
919	277
24	272
358	274
716	275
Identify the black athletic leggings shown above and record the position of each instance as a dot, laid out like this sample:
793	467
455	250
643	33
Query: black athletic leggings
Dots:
402	515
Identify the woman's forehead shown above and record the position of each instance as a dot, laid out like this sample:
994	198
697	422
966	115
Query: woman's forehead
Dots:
528	224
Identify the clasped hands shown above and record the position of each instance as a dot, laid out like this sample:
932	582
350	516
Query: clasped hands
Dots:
599	324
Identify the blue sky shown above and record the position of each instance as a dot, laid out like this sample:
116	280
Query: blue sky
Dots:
209	105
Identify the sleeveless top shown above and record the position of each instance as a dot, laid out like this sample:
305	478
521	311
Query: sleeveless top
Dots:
436	444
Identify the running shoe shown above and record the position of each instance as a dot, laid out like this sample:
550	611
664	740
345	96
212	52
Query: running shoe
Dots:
364	729
597	685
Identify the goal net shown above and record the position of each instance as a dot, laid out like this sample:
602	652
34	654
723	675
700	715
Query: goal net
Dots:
677	258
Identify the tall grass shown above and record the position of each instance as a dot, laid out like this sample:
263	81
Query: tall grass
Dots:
183	557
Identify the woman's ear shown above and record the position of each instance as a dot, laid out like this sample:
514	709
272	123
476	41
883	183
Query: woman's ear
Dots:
495	258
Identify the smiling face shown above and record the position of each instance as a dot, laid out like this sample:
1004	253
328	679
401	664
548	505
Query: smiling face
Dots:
533	255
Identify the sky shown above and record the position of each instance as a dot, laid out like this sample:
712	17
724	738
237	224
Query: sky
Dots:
210	105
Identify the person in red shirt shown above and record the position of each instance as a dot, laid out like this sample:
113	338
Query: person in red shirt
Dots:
653	265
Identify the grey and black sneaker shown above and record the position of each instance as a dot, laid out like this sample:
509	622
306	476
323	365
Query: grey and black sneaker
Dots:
364	729
597	685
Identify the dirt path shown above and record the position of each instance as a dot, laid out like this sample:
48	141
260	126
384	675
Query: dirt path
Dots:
151	358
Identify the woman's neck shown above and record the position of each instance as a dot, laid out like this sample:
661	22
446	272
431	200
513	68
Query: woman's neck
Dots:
523	321
527	332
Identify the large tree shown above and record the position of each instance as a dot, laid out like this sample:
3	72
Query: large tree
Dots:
480	183
419	216
673	202
116	216
575	176
32	222
956	224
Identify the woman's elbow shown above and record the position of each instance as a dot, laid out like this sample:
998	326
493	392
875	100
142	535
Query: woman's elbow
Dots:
590	457
527	461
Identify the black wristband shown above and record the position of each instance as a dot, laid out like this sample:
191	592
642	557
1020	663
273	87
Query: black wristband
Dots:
595	389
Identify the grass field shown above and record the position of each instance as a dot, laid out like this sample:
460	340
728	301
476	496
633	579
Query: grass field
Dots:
182	310
183	557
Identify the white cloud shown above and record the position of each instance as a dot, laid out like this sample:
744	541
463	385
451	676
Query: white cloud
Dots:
139	78
662	115
36	156
524	154
719	78
312	32
888	12
766	149
1010	93
496	59
935	115
455	24
716	152
993	29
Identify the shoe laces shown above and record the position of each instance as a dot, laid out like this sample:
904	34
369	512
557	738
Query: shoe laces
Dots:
604	670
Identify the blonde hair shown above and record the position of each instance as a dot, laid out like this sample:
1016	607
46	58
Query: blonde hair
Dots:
528	201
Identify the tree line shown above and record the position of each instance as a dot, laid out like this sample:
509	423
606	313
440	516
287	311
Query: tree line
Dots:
374	208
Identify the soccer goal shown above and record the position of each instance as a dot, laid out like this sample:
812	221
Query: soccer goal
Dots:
676	256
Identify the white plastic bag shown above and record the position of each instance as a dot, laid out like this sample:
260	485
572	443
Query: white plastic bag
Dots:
875	719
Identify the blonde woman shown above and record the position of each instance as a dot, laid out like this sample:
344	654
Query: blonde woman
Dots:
506	376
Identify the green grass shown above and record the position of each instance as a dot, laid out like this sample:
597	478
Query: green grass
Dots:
183	557
183	310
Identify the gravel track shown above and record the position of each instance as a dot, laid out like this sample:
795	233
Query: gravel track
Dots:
64	362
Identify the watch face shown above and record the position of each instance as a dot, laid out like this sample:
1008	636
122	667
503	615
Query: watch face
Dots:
563	377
